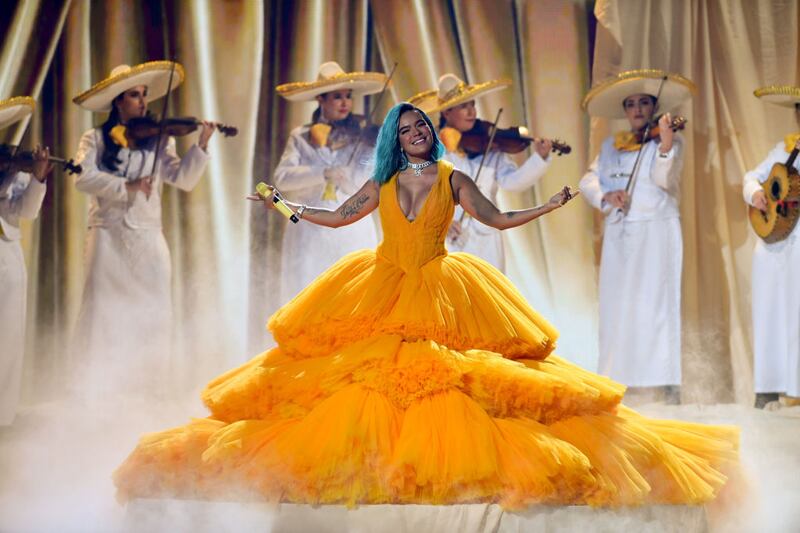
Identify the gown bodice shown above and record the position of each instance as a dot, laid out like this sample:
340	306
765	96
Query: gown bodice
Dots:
411	244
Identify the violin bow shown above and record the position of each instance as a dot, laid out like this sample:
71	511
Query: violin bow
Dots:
485	153
159	143
631	185
371	114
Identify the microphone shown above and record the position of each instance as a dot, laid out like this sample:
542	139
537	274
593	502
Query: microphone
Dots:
266	190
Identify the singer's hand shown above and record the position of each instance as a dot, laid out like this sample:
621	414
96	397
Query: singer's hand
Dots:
255	197
563	196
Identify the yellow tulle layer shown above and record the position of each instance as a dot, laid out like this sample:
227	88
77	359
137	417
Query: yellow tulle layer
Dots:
386	420
457	300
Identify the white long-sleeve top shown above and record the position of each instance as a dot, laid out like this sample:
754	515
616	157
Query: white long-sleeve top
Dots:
111	201
657	190
20	197
754	178
300	172
499	172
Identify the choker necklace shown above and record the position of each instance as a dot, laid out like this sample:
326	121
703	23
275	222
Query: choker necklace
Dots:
419	166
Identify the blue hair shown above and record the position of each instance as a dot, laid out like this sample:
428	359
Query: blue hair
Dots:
389	158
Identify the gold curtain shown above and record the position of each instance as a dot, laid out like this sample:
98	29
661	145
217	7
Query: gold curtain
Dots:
728	49
226	253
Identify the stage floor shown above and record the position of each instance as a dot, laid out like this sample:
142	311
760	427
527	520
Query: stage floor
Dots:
55	466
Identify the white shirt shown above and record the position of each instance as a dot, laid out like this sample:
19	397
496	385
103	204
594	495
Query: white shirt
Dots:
111	201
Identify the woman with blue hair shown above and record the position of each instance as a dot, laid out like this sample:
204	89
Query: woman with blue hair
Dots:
411	375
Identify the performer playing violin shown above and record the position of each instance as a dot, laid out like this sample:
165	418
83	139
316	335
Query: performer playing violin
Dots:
456	102
775	285
21	196
325	162
123	333
640	266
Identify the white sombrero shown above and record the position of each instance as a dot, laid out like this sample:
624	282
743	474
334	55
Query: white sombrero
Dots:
782	95
153	74
331	77
15	109
453	91
605	99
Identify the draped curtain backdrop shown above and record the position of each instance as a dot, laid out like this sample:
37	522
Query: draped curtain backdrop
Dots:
226	253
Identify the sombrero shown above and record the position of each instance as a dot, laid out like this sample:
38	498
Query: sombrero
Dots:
453	91
782	95
331	77
153	74
605	98
15	109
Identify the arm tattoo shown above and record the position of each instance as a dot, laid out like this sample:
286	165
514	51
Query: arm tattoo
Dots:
510	214
352	208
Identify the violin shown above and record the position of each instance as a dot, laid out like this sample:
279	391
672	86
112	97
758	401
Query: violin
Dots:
508	140
654	132
142	129
12	159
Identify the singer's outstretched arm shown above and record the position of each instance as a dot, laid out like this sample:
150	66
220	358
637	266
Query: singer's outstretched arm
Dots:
361	204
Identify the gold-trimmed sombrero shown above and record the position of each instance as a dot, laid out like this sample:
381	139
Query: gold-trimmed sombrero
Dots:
453	91
153	74
15	109
782	95
605	98
331	77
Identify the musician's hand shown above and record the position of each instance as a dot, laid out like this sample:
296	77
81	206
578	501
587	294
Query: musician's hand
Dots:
665	132
145	185
797	145
617	199
206	131
760	201
454	232
563	196
543	147
41	166
335	175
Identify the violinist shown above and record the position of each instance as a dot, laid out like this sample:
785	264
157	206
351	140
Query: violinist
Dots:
21	196
325	162
641	262
775	284
456	102
124	328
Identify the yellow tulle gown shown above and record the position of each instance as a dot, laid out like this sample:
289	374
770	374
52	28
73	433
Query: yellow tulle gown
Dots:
409	375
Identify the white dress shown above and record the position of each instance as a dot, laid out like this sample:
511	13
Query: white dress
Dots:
308	249
123	336
640	266
775	298
498	172
20	197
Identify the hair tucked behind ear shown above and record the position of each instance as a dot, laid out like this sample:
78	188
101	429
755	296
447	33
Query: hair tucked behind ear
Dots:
389	158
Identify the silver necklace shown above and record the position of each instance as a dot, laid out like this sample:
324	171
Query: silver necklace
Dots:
418	167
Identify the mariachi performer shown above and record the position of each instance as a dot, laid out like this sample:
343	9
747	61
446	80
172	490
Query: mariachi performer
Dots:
775	285
408	374
455	100
634	182
21	195
124	328
324	162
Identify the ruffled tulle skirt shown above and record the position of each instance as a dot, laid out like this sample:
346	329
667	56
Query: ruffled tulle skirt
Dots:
435	386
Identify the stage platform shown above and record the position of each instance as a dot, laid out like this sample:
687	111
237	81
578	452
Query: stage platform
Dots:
200	516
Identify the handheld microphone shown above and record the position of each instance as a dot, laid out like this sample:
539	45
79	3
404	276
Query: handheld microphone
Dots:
266	190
